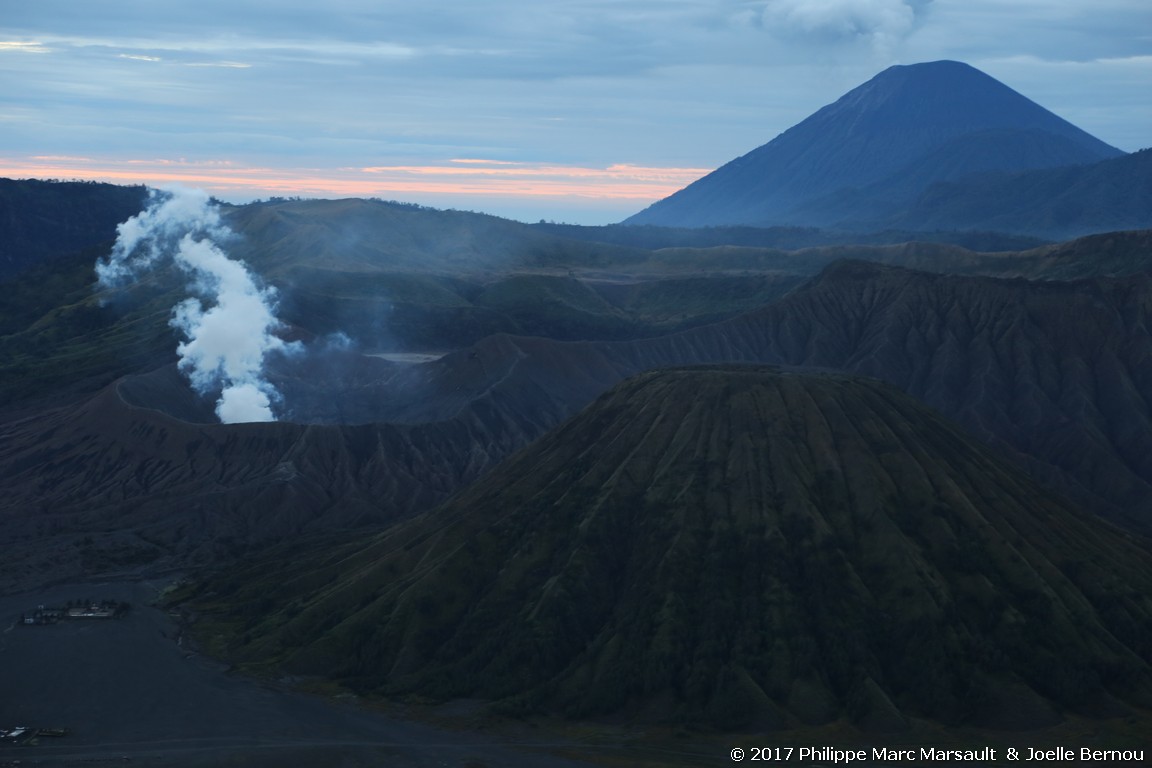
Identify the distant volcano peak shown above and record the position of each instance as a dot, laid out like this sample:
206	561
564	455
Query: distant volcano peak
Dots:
947	97
932	69
883	142
928	74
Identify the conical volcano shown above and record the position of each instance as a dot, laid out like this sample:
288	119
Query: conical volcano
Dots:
736	546
878	145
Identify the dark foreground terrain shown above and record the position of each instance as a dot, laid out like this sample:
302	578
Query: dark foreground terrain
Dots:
131	688
701	567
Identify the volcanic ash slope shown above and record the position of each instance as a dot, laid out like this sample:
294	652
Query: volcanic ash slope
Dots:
741	546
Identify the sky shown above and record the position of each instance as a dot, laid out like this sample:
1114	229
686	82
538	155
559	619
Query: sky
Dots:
582	111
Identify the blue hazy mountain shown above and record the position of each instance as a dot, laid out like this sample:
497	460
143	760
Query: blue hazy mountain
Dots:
1053	203
877	148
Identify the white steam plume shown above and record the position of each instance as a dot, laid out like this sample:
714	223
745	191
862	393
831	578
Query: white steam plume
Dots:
228	323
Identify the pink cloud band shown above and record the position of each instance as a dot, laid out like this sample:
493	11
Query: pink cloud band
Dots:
466	177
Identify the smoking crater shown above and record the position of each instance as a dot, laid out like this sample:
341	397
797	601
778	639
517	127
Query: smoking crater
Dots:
229	320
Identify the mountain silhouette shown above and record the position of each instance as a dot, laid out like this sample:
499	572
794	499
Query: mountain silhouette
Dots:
879	145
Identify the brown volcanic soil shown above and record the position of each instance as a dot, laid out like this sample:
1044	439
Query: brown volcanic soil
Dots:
132	688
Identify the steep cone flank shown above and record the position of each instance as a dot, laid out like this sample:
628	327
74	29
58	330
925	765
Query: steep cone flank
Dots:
905	128
741	546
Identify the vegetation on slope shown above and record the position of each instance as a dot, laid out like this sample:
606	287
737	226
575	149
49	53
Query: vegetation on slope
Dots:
42	220
733	546
783	238
1055	203
57	336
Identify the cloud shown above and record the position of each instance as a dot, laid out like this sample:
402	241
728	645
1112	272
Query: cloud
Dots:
23	47
880	22
223	64
1053	30
467	176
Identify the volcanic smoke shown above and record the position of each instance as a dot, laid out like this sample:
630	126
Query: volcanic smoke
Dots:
229	320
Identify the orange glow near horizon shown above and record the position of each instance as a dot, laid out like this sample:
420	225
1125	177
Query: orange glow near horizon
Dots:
470	177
